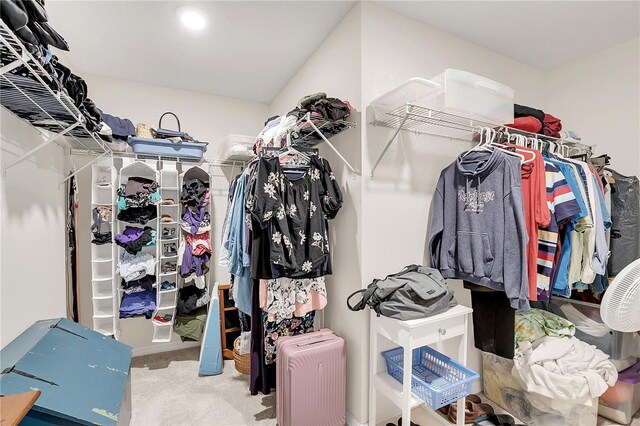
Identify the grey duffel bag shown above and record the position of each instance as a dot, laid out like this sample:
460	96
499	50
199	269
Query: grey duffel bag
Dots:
415	292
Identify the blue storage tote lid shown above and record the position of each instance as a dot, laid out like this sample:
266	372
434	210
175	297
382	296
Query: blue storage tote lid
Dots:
81	373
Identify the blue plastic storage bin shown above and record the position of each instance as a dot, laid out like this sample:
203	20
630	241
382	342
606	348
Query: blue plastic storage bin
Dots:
165	147
436	379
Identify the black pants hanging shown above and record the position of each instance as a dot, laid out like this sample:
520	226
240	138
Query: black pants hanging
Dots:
493	322
263	376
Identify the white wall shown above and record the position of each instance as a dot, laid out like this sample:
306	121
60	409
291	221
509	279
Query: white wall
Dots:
397	200
599	97
205	117
334	68
33	235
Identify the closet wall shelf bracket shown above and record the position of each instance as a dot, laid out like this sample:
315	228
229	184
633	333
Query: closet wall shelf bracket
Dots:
348	125
28	96
75	172
39	147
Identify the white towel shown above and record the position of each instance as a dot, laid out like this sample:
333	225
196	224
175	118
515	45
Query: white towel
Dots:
563	368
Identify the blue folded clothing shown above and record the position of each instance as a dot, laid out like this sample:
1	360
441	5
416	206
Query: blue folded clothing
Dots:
136	304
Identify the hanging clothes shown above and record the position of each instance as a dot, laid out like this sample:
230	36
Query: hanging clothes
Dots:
625	232
563	206
536	209
292	219
478	231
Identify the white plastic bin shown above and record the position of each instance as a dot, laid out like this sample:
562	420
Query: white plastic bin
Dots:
620	402
623	348
501	387
237	147
417	91
475	96
452	91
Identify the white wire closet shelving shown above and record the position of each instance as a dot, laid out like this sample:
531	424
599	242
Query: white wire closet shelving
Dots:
26	91
313	132
430	121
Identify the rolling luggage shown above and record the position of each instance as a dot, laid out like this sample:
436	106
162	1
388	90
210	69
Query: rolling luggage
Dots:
311	379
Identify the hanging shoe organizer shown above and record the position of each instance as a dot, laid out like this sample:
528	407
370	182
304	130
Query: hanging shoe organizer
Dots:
168	231
145	169
104	282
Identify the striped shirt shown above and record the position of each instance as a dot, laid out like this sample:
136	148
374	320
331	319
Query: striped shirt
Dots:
563	206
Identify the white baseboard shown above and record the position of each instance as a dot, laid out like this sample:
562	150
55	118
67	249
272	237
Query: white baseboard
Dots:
163	347
351	421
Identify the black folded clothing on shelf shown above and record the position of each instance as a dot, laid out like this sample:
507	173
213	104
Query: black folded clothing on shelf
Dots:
140	215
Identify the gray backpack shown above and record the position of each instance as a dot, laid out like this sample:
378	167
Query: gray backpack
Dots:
415	292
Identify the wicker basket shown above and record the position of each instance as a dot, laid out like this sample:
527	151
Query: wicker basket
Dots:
243	362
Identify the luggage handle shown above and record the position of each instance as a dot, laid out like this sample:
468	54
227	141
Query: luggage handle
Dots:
312	342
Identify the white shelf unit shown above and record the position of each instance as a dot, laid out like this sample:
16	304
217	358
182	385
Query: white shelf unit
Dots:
166	300
103	257
145	169
434	330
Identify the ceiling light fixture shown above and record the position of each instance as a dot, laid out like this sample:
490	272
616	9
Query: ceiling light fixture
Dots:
191	17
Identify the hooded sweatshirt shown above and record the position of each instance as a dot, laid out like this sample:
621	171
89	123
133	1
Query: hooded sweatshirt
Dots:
478	230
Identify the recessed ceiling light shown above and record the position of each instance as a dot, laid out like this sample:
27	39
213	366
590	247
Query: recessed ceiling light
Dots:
191	17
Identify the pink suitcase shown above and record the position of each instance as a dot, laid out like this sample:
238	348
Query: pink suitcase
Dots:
311	379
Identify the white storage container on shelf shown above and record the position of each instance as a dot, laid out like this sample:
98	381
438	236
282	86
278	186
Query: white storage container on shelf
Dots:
416	91
620	402
237	147
453	91
474	96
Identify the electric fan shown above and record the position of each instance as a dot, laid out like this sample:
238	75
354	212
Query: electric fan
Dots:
620	307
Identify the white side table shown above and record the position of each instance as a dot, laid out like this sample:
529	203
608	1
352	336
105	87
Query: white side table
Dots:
430	331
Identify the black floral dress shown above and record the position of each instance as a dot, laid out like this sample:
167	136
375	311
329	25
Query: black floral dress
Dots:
289	218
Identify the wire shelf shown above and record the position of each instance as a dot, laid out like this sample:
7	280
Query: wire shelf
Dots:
309	137
25	90
430	121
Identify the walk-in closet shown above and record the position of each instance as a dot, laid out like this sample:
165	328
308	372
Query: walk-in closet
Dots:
304	213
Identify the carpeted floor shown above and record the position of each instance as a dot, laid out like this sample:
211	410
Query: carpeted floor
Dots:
166	390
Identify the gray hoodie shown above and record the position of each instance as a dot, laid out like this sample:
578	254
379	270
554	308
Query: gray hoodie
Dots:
478	232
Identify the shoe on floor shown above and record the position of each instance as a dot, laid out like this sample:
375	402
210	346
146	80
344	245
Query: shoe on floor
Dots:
471	397
472	411
496	420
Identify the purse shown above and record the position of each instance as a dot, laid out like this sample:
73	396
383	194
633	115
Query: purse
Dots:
162	133
415	292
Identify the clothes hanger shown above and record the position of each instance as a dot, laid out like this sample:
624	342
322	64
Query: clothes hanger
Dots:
479	145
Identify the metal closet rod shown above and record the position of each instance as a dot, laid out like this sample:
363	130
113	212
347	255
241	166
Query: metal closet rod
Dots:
142	157
417	117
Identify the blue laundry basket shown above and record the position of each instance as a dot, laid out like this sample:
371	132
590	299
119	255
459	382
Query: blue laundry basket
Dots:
165	147
436	379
